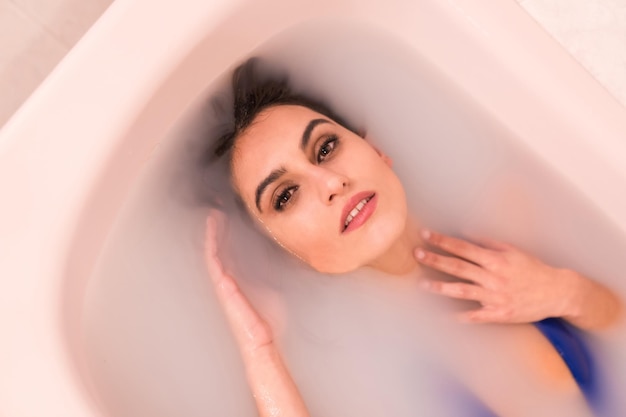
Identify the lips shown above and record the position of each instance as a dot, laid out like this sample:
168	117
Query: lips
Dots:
357	210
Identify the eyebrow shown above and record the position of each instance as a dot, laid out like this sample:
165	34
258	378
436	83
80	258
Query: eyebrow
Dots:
274	175
306	135
277	173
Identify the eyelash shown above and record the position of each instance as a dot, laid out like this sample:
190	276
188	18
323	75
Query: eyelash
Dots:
332	139
284	197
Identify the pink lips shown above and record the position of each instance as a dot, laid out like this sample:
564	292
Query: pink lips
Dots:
362	215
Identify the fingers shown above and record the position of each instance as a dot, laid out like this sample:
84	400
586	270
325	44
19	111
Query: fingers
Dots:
492	310
215	221
273	388
456	290
214	265
250	330
458	247
453	266
486	314
493	244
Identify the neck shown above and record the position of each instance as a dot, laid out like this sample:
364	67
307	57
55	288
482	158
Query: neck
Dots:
399	259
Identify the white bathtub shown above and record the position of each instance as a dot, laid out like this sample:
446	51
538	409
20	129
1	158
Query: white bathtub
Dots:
69	156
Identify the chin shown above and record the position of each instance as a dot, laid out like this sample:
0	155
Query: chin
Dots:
375	239
385	232
381	238
340	263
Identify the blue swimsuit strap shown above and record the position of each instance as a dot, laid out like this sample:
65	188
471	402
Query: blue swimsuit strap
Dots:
570	344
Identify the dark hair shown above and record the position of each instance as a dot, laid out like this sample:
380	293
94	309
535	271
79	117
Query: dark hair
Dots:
254	91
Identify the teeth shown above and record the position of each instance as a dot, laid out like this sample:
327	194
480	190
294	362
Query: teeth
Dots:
356	210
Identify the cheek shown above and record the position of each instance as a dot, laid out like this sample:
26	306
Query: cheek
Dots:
312	236
367	164
302	231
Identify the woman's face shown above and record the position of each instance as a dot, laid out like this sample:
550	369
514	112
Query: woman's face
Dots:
321	191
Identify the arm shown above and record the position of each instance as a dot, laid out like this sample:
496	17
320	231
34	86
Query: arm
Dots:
514	287
274	390
590	305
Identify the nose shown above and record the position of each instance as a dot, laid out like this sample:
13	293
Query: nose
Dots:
330	184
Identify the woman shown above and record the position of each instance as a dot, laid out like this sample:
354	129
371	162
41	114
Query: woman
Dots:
322	192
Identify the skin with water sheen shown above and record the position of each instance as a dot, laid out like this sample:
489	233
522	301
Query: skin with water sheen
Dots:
330	198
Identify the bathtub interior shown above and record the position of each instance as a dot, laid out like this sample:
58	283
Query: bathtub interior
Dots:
153	339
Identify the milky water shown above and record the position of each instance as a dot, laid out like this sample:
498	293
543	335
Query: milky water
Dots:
155	340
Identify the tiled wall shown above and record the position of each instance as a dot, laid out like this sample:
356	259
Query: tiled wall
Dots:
36	34
593	31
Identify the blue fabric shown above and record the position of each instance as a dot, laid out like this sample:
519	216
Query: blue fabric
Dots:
570	344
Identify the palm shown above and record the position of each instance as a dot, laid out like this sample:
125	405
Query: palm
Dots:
273	388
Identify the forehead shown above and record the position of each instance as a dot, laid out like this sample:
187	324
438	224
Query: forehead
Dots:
275	131
269	142
277	123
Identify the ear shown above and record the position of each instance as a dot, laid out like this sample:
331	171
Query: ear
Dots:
386	159
383	156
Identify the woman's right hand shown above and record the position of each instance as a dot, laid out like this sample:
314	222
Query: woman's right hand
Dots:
273	388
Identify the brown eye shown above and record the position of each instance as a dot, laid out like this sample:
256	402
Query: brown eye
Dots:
327	148
283	198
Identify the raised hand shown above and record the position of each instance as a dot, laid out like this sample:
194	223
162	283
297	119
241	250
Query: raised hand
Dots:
513	286
273	389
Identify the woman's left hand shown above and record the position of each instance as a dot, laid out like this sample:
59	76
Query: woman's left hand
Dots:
510	285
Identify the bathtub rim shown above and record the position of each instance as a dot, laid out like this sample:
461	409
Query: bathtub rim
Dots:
20	133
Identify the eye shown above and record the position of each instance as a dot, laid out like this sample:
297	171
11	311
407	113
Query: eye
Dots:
283	198
327	148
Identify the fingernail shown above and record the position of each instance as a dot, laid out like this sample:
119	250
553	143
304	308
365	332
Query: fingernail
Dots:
426	234
420	254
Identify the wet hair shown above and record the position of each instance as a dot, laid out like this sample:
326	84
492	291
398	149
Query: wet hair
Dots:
253	91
